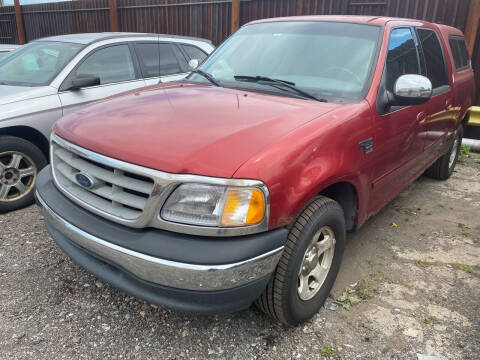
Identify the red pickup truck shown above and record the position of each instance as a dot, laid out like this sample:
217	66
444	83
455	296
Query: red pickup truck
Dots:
239	183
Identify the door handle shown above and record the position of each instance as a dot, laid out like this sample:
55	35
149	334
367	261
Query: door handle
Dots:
421	116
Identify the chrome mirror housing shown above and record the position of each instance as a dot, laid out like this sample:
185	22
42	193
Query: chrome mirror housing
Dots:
193	64
412	89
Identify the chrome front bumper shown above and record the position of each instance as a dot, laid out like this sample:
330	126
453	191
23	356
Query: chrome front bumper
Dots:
164	272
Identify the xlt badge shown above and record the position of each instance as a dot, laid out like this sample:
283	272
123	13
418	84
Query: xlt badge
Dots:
366	145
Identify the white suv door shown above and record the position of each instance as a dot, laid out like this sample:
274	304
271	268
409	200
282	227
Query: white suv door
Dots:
113	64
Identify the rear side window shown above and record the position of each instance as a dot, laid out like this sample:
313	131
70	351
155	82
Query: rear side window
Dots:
459	52
180	57
434	60
112	64
194	53
149	58
168	61
402	57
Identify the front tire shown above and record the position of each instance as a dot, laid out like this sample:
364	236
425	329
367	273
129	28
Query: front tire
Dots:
20	162
309	264
443	168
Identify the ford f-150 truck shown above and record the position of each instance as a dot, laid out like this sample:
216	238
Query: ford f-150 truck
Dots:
239	183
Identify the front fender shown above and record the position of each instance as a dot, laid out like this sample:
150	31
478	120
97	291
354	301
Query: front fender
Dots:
39	114
321	153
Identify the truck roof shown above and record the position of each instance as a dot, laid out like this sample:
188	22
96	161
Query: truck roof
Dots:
377	20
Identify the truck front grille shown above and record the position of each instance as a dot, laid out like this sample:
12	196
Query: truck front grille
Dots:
116	192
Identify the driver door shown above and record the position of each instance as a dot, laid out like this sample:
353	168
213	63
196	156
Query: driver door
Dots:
399	130
115	67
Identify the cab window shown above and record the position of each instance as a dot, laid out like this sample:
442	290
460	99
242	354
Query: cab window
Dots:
459	53
402	56
434	60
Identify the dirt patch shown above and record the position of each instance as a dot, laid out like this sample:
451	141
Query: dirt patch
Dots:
418	286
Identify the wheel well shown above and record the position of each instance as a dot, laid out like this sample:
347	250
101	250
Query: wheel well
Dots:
346	195
29	134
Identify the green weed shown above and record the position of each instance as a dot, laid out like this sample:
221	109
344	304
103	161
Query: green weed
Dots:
327	351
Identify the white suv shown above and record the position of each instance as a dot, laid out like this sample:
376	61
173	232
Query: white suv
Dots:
48	78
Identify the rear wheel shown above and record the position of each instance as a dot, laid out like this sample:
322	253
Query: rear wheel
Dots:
443	168
309	264
20	162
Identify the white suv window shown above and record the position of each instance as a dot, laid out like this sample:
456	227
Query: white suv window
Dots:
112	64
168	61
148	55
194	53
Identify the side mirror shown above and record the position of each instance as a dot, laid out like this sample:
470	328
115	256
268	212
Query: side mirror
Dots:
193	64
82	81
411	89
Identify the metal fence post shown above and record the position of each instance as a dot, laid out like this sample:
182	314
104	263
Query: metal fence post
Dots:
18	18
235	15
113	16
471	27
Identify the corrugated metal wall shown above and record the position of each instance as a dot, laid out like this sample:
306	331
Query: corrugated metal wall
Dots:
65	18
201	18
206	18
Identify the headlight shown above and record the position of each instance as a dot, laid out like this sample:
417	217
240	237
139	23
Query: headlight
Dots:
215	205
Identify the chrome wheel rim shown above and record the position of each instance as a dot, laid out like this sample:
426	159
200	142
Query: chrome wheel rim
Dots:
454	152
316	263
17	175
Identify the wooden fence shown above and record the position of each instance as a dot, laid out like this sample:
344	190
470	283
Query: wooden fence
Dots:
211	19
215	19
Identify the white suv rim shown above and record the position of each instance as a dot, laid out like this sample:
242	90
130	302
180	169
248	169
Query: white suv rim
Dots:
17	175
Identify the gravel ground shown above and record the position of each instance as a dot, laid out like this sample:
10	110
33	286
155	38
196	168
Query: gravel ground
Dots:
410	284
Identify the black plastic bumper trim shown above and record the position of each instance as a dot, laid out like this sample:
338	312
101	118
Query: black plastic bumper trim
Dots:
199	302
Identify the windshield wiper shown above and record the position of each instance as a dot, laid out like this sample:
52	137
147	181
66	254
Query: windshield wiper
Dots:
287	84
207	76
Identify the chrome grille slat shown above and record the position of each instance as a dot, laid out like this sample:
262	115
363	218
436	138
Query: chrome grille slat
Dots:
102	174
118	193
105	191
96	201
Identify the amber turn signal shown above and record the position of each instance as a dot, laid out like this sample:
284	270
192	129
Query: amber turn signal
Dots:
243	207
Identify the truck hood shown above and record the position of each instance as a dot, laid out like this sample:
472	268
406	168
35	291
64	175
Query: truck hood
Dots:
187	128
10	94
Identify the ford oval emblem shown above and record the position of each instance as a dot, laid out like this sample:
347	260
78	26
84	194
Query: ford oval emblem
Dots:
84	180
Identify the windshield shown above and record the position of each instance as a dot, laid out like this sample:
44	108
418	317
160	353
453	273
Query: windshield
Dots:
37	63
330	60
